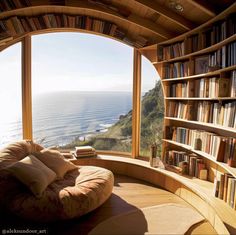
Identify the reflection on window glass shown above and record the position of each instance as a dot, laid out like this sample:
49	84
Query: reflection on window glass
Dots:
82	91
10	95
152	109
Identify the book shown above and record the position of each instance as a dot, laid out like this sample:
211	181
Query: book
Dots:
203	174
226	180
221	150
216	186
85	151
221	187
223	87
232	192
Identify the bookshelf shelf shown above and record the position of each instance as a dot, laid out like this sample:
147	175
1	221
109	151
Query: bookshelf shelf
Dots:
209	74
227	130
229	169
200	52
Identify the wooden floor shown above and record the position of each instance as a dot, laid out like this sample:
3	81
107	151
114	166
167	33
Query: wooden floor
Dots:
128	194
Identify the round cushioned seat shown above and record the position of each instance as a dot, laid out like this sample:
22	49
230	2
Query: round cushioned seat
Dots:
81	191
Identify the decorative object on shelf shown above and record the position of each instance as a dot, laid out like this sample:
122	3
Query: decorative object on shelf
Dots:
153	160
201	64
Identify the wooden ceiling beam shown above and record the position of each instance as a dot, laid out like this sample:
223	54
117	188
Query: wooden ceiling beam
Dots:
166	12
204	6
149	25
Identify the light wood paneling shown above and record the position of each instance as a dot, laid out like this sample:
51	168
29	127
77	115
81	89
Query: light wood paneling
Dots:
162	10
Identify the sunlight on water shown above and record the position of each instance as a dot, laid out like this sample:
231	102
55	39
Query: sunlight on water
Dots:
10	95
59	118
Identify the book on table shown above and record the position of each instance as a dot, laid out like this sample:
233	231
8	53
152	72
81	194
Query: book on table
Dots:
85	151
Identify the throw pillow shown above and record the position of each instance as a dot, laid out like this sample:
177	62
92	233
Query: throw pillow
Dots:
33	173
55	161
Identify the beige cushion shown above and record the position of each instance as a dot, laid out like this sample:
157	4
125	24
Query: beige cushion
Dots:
17	151
55	161
33	173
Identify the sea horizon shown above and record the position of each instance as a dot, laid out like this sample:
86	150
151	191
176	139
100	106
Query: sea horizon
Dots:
62	116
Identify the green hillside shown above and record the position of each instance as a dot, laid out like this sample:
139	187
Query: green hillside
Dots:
118	136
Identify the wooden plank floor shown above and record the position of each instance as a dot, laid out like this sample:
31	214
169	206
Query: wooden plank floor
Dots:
128	194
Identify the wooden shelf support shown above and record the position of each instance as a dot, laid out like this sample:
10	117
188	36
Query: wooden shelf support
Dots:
136	103
26	88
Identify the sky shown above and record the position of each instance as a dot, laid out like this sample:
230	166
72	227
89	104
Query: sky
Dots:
85	62
10	89
71	61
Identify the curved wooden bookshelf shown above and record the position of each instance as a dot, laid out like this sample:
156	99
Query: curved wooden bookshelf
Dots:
152	53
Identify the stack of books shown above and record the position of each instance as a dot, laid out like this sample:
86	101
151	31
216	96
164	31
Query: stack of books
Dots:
186	164
225	188
85	151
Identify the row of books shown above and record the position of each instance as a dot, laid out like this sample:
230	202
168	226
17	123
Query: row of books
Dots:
187	164
180	89
205	38
214	87
7	5
217	113
224	57
223	149
204	111
19	25
171	51
225	188
175	70
181	110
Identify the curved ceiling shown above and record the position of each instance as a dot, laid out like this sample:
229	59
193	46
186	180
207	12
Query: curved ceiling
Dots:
148	21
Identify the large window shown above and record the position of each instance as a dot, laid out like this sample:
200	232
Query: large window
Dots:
10	95
82	91
152	109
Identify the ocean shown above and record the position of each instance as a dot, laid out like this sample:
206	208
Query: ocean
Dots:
60	117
